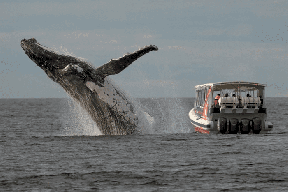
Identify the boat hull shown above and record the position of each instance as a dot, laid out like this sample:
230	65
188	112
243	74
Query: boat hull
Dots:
205	126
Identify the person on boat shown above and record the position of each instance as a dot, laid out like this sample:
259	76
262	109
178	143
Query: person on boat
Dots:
216	99
261	101
226	95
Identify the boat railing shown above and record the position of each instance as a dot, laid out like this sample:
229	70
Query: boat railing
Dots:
238	102
251	102
228	102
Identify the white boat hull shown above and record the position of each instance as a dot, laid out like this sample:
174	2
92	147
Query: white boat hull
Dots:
211	125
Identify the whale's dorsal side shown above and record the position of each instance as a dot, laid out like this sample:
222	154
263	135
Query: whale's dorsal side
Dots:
108	106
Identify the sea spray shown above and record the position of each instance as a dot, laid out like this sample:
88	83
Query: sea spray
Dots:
146	122
170	116
177	116
78	121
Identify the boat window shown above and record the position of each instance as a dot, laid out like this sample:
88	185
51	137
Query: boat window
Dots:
204	94
201	100
200	97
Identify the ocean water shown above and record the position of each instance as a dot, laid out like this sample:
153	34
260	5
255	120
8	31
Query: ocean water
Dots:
52	145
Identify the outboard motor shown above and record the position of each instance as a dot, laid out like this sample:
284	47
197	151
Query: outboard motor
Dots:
256	125
233	126
245	126
222	125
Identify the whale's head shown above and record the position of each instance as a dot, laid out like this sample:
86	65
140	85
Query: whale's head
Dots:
47	59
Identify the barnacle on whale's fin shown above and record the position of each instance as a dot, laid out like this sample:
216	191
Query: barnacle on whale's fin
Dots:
115	66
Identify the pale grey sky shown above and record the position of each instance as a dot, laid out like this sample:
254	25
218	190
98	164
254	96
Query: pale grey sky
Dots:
199	42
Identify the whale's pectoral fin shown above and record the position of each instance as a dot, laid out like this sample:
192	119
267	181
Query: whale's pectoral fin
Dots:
118	65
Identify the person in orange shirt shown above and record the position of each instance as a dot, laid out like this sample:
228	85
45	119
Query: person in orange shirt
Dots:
216	99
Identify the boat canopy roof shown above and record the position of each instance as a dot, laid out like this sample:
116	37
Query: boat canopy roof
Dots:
242	85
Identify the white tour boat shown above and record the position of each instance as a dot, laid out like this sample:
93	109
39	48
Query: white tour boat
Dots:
230	107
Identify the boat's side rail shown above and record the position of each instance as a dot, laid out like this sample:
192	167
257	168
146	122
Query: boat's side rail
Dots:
244	102
228	101
251	101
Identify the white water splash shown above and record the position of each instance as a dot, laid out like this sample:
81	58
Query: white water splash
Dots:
176	117
145	121
79	121
170	116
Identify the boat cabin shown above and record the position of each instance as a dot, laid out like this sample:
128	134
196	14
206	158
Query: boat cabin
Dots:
229	96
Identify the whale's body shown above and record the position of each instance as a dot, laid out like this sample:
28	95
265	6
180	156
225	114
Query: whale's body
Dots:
112	111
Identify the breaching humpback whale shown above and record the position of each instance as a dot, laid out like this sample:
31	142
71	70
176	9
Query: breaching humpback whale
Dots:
113	113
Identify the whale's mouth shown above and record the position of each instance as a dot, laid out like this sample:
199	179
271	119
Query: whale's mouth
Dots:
36	53
45	58
27	45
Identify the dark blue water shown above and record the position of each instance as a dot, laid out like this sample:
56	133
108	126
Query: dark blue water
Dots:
51	145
